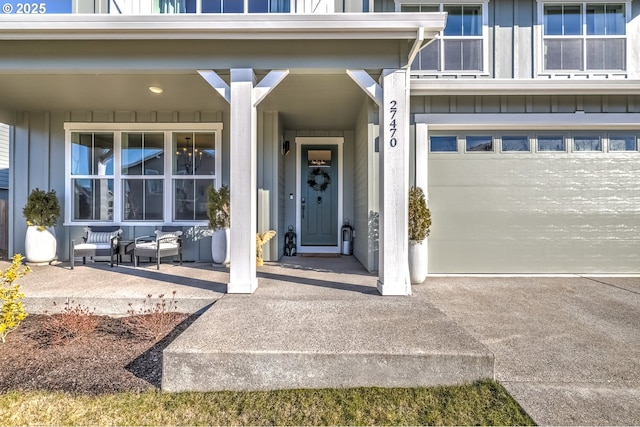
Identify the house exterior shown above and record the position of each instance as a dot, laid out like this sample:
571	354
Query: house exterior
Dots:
520	119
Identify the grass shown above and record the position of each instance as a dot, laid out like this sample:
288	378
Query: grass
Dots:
482	403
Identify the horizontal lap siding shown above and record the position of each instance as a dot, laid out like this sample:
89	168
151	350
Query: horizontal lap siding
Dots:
531	214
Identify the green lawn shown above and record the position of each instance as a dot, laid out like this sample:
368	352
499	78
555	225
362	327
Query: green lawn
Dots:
483	403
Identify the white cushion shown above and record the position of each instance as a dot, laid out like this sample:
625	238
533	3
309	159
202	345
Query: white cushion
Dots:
102	236
168	236
83	246
152	245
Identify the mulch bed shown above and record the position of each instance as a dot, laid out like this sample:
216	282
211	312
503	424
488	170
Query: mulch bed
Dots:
114	357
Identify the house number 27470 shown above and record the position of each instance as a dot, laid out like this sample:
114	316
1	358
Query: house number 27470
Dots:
393	109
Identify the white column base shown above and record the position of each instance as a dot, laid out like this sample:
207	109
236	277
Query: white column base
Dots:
394	289
242	288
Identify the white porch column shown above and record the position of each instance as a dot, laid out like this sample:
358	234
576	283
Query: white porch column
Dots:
392	97
243	184
393	276
243	95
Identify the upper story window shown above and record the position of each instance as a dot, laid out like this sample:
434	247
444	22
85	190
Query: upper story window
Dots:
584	37
198	6
462	46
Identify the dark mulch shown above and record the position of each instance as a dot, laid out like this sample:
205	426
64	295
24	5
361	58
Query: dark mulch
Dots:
112	358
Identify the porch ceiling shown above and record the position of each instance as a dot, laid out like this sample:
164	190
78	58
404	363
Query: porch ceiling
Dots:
305	101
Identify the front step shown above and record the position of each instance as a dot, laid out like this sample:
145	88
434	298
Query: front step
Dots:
253	343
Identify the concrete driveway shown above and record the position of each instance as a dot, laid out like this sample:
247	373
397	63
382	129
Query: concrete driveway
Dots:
566	348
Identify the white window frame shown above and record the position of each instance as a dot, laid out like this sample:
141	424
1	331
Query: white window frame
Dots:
118	129
440	37
146	7
539	40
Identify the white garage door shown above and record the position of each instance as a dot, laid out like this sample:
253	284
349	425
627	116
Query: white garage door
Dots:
538	202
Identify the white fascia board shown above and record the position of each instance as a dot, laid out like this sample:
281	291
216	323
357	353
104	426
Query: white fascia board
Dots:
350	26
461	86
529	121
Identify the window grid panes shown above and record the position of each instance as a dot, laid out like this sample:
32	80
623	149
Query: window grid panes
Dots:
128	176
92	169
222	6
194	155
460	47
142	158
584	37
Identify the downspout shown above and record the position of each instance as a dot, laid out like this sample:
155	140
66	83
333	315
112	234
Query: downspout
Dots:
417	45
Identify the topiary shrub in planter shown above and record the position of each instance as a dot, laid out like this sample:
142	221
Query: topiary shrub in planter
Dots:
41	212
419	228
219	214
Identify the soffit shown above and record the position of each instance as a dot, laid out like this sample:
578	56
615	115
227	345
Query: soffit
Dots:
304	101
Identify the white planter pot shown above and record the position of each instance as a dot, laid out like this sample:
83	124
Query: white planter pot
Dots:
40	246
418	261
220	246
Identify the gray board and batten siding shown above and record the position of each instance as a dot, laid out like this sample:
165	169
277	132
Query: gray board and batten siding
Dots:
529	211
41	151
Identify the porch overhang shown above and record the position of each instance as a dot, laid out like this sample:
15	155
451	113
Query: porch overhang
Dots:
350	26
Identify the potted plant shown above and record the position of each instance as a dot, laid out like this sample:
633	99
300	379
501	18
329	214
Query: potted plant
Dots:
419	225
219	213
41	212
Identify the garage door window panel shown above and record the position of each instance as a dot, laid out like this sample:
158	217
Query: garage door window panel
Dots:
623	143
479	143
587	143
552	144
515	144
443	144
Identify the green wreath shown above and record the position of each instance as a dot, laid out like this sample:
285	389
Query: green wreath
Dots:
313	179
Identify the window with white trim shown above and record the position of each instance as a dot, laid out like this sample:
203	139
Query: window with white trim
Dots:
584	36
143	7
461	46
140	174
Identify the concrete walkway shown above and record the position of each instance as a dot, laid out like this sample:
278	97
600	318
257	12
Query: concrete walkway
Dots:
567	348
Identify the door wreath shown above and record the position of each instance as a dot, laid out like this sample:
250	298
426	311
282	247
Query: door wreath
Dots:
319	184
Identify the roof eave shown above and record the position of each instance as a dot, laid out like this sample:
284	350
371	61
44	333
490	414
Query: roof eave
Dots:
351	26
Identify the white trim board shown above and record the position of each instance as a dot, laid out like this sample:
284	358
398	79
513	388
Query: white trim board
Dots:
530	121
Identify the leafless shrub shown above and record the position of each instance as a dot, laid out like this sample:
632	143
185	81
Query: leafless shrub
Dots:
74	322
153	320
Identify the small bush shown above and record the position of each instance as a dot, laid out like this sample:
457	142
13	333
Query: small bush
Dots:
74	322
13	312
42	208
153	321
419	215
